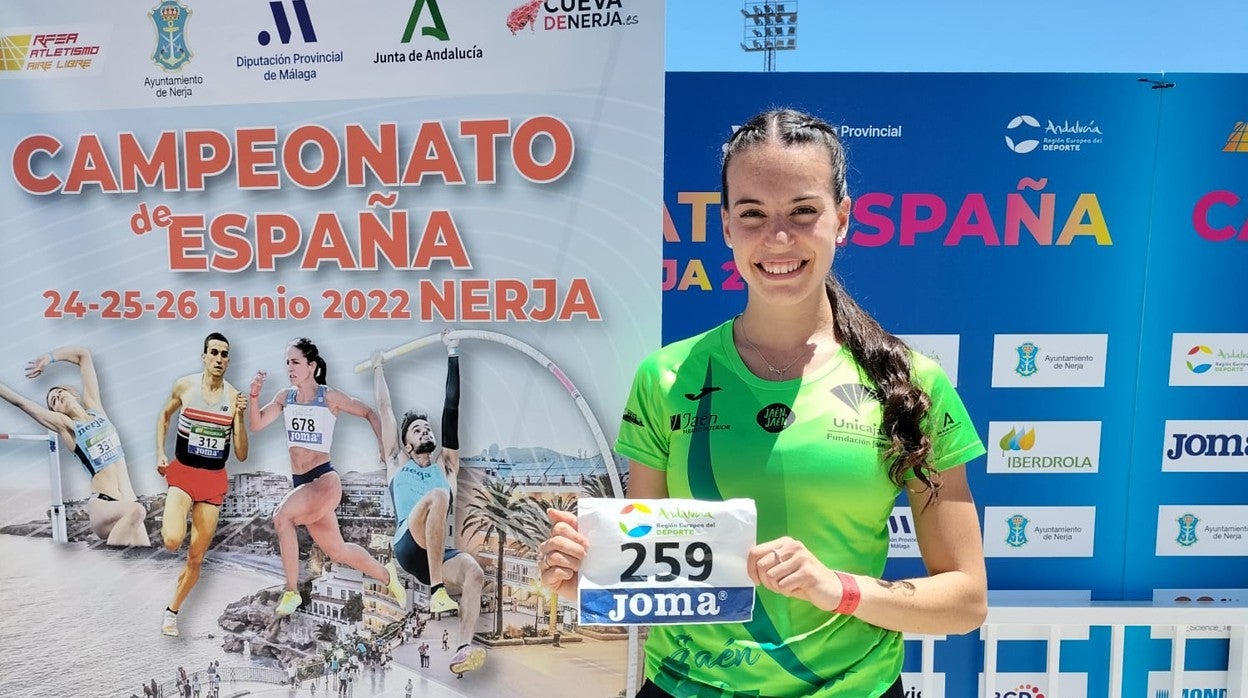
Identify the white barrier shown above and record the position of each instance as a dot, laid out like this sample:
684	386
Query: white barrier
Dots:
1054	623
57	508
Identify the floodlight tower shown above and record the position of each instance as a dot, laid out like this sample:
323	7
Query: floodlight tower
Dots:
769	27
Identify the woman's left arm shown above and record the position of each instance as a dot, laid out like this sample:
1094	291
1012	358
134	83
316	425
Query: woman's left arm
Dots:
345	403
951	600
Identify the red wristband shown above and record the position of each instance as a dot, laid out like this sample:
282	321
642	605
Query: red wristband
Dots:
850	594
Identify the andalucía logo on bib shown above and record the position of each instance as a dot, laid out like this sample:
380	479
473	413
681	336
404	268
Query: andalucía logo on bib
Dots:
636	520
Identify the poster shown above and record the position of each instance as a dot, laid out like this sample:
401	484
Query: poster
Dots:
363	177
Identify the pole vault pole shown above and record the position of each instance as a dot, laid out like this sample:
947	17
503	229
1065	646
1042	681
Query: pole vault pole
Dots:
528	350
633	670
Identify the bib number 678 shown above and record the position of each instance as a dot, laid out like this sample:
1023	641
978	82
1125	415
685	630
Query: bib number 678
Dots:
697	556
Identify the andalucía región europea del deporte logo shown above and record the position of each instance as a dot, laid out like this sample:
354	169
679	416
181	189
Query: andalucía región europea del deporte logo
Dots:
170	18
1021	132
636	520
1198	359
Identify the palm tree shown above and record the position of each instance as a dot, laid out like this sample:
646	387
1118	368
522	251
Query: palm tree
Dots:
496	510
599	484
327	632
563	501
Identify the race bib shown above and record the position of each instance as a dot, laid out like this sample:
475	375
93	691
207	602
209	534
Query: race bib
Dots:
301	429
206	442
655	561
104	449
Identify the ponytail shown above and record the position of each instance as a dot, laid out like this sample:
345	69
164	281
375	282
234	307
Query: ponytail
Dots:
310	352
886	361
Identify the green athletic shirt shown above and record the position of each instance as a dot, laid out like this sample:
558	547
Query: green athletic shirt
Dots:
809	452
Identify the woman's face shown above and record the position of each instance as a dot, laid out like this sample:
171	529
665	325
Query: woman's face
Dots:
782	220
61	399
298	370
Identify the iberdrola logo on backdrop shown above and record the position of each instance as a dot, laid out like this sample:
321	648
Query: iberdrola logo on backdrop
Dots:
636	520
1018	440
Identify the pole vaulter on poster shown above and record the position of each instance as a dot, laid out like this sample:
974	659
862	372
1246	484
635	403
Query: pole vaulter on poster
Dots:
634	670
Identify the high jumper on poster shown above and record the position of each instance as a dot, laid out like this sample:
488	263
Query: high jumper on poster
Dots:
77	416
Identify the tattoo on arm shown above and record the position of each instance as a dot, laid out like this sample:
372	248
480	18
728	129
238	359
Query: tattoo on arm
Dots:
905	586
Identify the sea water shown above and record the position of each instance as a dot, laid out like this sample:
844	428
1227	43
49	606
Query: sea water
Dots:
83	621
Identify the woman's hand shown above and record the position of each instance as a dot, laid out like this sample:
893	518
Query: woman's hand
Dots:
35	367
785	566
257	383
559	557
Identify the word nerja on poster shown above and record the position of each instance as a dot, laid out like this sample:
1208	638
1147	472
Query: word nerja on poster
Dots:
381	235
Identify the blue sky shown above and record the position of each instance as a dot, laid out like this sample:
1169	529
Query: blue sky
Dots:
963	36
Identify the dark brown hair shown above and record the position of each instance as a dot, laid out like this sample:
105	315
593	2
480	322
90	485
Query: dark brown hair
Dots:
884	358
309	351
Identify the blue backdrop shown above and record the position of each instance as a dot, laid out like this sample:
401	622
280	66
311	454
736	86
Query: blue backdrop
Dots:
1061	211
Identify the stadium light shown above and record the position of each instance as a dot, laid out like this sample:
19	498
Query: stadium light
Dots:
769	17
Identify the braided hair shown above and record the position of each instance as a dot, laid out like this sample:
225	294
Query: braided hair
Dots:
884	357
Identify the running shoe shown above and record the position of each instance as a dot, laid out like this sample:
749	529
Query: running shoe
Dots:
396	585
170	625
441	602
289	602
467	659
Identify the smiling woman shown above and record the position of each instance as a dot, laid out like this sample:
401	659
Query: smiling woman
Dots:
810	408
